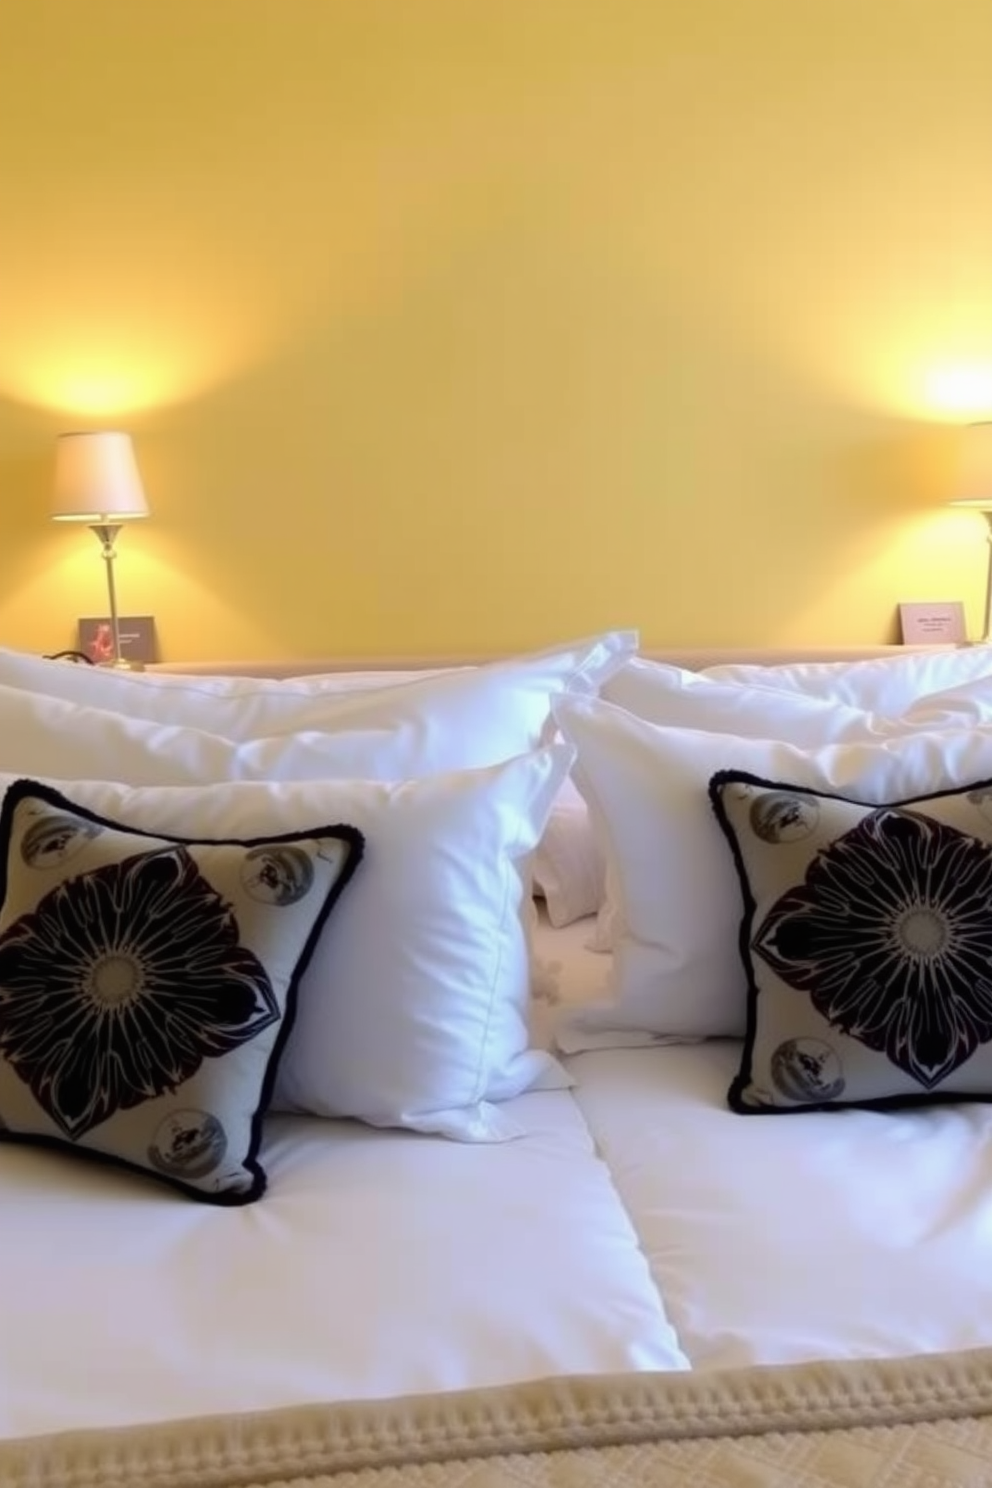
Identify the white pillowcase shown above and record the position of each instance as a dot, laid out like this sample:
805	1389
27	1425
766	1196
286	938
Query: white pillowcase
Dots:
149	728
674	697
970	702
677	971
48	736
569	865
884	684
570	869
457	719
677	698
460	720
413	1012
571	854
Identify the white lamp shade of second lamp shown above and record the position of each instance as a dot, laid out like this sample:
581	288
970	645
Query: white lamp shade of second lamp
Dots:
97	479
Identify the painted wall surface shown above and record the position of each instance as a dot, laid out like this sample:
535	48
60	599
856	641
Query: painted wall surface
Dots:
476	323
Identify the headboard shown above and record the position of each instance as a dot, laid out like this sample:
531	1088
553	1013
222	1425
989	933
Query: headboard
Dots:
691	658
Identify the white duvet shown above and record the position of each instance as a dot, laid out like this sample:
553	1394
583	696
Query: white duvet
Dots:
378	1263
639	1225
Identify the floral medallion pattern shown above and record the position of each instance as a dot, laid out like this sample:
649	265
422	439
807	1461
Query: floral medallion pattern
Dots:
119	984
890	936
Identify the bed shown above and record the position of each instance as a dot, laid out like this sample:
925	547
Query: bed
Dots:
546	1192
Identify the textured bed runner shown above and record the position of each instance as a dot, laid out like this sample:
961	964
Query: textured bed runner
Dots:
916	1423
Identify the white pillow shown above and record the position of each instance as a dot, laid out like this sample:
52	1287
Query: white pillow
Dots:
677	698
569	869
413	1012
141	732
62	740
569	865
458	719
676	968
884	684
970	702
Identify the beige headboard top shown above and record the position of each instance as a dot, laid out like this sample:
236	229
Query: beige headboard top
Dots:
693	659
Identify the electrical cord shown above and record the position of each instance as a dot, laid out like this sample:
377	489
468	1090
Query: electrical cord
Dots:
73	656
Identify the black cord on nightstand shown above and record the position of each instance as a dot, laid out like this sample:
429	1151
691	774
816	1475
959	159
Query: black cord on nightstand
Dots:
75	656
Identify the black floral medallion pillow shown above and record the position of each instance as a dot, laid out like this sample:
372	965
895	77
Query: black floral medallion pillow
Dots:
867	942
148	985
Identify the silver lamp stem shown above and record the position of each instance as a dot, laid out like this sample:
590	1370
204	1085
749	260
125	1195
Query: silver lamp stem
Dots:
987	632
106	532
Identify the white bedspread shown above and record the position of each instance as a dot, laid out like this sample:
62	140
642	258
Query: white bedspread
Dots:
781	1239
377	1264
640	1225
775	1239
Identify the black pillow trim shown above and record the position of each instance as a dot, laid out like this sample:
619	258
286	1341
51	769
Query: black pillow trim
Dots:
744	1076
25	789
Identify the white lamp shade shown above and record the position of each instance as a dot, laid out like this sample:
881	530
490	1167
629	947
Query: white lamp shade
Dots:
97	479
974	482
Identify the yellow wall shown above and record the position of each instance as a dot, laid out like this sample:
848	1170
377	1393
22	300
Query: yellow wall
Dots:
475	323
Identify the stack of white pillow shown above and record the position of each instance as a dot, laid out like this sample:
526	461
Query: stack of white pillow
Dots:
413	1009
877	731
579	772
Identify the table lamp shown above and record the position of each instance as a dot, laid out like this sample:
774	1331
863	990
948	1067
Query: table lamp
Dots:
97	481
974	488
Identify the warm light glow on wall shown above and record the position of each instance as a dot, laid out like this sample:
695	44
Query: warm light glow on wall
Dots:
921	372
961	391
94	391
110	343
117	367
939	389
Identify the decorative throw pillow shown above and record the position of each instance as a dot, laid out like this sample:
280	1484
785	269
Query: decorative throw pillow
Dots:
148	984
867	943
412	1011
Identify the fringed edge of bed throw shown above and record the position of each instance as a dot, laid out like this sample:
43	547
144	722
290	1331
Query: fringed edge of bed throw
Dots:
315	1444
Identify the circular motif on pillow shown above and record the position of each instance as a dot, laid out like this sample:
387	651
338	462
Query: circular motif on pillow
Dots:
188	1144
277	874
807	1069
780	816
54	839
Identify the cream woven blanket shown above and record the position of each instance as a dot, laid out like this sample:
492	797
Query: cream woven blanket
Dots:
924	1422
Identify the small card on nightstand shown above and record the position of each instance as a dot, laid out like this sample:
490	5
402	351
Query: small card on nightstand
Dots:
137	634
940	623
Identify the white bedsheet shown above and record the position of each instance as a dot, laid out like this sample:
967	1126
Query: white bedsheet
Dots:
378	1263
775	1239
778	1239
